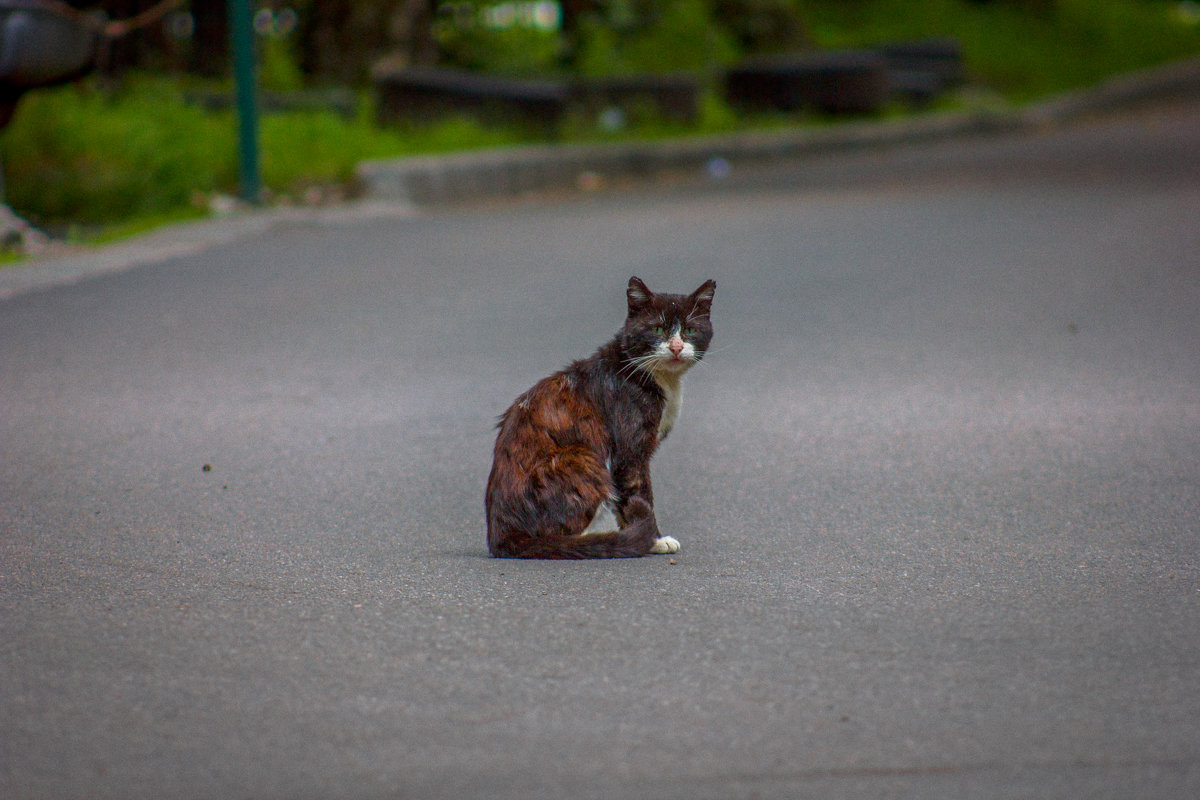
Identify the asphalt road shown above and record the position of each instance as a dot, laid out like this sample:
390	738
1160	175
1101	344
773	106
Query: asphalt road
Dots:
937	487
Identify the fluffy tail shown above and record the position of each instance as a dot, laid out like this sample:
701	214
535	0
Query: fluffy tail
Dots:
635	539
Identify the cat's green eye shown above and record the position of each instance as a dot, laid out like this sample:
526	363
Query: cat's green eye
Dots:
689	332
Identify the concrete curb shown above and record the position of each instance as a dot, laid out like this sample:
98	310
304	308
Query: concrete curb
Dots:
432	180
435	180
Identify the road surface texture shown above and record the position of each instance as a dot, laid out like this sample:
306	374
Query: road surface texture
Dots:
937	487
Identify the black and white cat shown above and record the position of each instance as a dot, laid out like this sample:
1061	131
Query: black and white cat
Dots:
571	468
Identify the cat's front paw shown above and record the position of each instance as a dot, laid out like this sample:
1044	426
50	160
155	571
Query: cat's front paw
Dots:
664	545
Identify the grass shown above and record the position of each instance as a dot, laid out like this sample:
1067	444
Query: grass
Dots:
125	157
98	156
1023	49
79	154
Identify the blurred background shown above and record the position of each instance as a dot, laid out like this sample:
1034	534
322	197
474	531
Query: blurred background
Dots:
122	115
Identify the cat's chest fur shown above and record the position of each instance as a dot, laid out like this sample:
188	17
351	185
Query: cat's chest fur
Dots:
672	389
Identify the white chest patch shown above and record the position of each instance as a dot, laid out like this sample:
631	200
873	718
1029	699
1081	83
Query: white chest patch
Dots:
672	388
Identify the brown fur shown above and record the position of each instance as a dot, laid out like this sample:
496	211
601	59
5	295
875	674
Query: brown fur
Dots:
586	434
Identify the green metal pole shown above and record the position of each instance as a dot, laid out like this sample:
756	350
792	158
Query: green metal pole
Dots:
241	36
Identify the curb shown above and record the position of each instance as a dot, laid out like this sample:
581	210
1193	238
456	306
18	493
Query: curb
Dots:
435	180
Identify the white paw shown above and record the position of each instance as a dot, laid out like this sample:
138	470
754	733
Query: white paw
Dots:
667	544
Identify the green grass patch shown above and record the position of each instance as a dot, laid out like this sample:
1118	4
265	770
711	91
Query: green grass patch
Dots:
90	156
85	156
312	149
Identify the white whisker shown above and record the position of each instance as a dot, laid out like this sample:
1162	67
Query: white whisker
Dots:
635	363
720	349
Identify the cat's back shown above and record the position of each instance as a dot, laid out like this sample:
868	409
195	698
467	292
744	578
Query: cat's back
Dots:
549	471
556	413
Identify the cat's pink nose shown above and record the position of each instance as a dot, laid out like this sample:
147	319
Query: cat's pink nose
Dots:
675	346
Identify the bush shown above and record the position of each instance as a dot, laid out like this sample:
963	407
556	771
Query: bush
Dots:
92	156
683	35
508	46
78	154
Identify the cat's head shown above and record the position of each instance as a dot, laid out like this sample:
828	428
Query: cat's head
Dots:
665	334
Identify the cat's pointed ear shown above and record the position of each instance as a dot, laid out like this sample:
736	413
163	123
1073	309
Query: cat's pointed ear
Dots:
704	295
637	293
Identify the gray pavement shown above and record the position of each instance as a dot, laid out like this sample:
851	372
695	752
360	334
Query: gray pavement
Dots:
937	486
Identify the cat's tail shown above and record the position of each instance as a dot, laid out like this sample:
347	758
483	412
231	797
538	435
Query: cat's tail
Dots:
637	538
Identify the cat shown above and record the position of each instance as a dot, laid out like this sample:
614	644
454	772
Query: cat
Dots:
571	468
